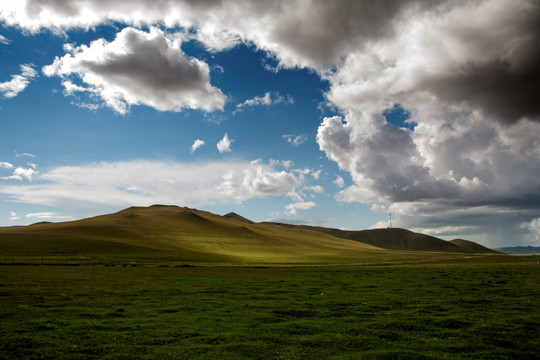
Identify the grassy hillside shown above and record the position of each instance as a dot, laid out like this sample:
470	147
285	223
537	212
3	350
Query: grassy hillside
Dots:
471	246
187	235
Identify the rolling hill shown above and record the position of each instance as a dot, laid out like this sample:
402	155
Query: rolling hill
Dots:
184	235
401	239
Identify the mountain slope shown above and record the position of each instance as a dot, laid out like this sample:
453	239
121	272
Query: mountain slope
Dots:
471	246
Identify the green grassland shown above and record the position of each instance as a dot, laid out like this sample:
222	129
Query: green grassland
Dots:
476	308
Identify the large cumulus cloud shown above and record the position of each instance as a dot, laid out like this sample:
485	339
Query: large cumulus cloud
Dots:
138	68
468	76
479	57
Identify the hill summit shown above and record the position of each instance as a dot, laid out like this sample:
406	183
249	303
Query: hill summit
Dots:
235	216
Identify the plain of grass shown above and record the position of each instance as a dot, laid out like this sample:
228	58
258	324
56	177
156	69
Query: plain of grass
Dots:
478	308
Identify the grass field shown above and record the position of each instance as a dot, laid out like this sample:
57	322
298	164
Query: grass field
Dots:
480	308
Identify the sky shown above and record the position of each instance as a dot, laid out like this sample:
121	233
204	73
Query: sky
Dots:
329	113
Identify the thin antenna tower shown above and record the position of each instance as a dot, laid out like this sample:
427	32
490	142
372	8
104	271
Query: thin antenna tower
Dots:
390	218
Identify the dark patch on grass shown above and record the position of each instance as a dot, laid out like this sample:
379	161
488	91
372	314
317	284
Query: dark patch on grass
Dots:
169	311
452	324
396	355
299	314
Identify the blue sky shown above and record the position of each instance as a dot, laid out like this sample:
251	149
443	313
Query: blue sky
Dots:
335	115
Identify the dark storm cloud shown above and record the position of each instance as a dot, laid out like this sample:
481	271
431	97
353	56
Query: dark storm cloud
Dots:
493	88
505	87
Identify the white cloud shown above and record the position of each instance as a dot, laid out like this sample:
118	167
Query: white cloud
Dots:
6	165
295	196
533	229
197	144
21	173
4	40
382	224
301	205
138	68
224	145
266	100
257	101
295	140
33	15
13	216
339	181
85	105
217	39
47	215
25	154
303	171
258	180
315	188
70	88
18	83
122	184
299	202
285	163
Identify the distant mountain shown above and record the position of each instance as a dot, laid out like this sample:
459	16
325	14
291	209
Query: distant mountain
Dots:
520	250
402	239
188	235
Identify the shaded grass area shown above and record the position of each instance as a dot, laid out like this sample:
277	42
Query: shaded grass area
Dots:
482	308
252	258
